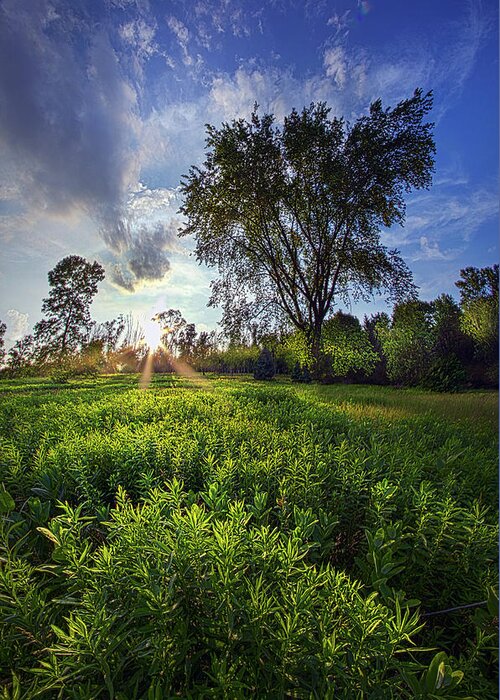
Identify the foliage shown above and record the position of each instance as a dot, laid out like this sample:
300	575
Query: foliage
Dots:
449	337
445	374
479	300
243	541
347	346
73	284
370	325
291	217
408	342
300	374
264	367
480	322
478	283
177	336
22	357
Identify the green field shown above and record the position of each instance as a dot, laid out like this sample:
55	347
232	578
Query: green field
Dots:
226	538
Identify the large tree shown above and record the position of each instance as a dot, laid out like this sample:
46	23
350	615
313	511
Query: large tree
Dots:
67	323
291	216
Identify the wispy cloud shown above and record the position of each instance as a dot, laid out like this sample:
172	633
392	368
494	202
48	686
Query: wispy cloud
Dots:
442	223
335	65
430	250
441	60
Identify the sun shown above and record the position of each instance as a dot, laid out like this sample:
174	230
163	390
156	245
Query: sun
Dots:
152	334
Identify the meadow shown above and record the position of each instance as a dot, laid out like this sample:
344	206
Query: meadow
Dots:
227	538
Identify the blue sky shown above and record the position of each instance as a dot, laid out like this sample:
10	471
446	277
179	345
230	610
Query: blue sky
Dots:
103	106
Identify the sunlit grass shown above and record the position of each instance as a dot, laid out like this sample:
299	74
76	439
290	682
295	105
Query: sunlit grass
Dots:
478	408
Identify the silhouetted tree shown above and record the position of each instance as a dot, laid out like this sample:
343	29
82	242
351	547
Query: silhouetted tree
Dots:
291	217
73	284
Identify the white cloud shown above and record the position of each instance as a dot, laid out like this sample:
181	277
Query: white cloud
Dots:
443	216
17	326
340	22
140	35
179	29
334	61
430	250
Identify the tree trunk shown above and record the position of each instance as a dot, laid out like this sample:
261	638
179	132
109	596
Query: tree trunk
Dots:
315	345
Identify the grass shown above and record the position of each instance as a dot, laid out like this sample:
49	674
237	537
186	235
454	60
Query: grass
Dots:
231	538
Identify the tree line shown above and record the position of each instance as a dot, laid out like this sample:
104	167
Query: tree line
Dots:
441	344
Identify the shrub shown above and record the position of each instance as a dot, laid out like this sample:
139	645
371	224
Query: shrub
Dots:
445	374
264	367
301	374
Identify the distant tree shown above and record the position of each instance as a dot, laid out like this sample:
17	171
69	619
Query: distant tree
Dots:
172	326
300	374
264	367
449	337
3	328
370	323
186	341
478	283
479	301
205	345
408	342
73	284
347	347
23	354
108	333
291	217
133	334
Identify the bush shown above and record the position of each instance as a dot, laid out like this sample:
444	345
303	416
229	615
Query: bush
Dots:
264	368
445	374
301	374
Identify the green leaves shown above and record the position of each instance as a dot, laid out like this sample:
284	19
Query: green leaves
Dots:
243	541
7	503
438	681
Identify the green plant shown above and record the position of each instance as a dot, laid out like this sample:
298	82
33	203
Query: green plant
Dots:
264	367
445	374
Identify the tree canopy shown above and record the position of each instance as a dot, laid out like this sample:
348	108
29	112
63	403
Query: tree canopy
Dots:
67	321
291	216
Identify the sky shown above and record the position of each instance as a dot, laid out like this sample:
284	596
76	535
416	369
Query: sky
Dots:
103	107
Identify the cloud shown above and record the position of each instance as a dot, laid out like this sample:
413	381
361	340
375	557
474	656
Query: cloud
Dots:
180	30
140	36
145	257
70	123
443	215
70	119
429	250
182	35
442	60
17	326
276	91
141	241
335	64
341	23
213	18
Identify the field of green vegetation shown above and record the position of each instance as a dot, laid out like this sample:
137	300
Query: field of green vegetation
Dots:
224	538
